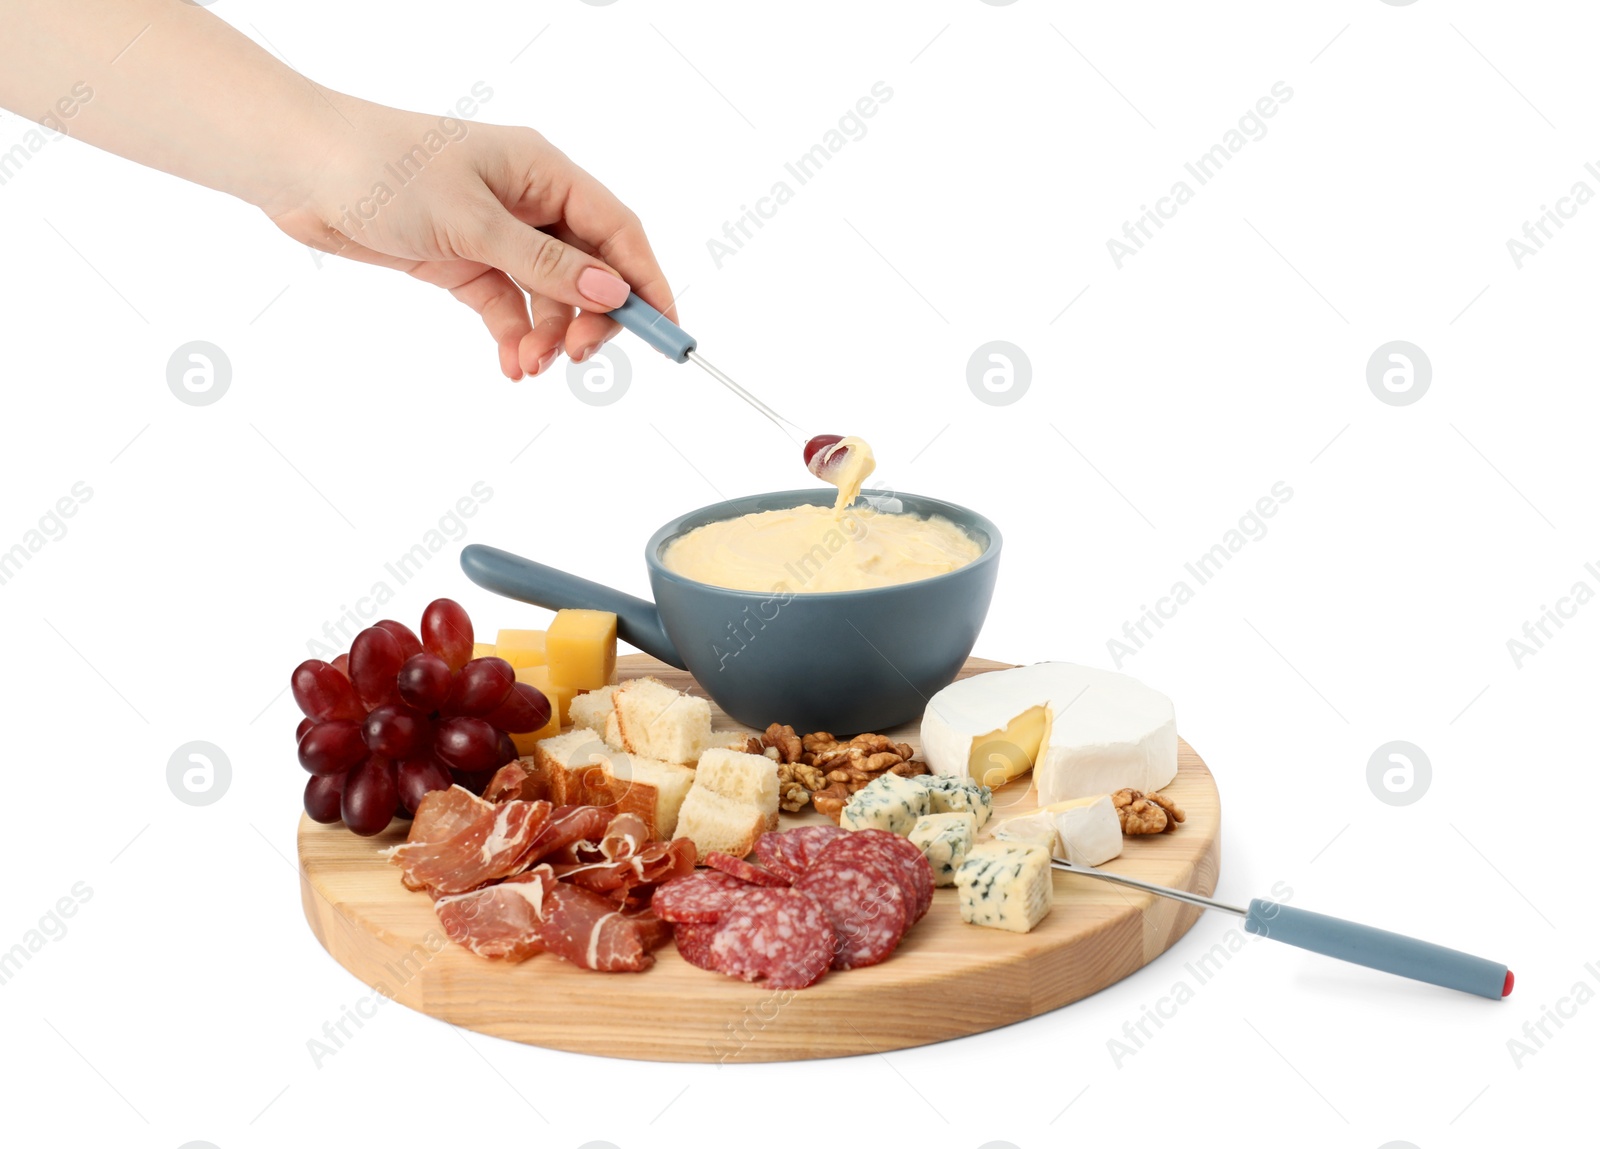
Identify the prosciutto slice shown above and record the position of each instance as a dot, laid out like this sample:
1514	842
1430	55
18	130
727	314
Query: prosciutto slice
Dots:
516	780
534	911
567	826
656	862
445	857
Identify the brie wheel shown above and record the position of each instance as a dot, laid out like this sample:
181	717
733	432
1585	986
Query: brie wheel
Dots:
1083	732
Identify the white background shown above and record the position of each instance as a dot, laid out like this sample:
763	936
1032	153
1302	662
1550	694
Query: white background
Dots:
1173	393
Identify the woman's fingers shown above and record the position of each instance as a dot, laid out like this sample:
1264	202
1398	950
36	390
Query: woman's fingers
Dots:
540	346
504	310
497	300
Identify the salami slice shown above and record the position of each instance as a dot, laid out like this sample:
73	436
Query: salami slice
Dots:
694	943
772	852
745	871
780	938
865	903
698	897
904	860
804	844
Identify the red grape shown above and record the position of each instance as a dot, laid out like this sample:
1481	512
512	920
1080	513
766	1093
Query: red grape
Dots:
322	692
424	682
447	632
300	731
505	750
324	793
369	798
820	453
525	709
396	731
332	747
375	660
482	685
407	638
467	744
342	664
475	781
417	777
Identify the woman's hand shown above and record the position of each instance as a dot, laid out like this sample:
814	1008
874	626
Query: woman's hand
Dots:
495	215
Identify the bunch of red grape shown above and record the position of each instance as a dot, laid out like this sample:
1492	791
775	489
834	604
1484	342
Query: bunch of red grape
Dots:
399	716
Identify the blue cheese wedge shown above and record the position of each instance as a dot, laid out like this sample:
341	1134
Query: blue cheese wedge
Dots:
951	795
889	802
1005	886
944	840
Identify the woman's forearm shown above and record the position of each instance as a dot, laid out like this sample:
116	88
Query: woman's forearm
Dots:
168	85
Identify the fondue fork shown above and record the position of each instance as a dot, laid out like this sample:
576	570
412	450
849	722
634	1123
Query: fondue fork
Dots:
1337	938
680	347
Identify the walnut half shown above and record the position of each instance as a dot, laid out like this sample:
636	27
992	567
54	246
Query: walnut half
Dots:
1142	813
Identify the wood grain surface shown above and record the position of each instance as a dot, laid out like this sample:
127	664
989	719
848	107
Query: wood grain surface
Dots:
947	979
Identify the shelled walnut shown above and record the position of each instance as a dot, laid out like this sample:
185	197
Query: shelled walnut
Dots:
1142	813
821	770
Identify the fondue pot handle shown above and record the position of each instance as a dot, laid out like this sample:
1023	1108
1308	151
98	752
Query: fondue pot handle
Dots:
638	621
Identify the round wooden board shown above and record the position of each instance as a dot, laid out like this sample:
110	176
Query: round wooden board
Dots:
947	979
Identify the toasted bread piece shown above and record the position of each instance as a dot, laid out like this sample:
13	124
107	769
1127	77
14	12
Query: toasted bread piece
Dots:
648	787
749	778
567	762
613	733
715	823
579	769
591	709
659	722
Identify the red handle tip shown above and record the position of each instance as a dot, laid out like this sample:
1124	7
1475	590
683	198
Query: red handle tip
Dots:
1510	981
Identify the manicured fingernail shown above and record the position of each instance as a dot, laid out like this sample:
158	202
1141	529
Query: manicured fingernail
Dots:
549	358
585	352
602	287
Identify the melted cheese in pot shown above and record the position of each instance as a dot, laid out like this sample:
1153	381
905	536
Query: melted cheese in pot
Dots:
806	550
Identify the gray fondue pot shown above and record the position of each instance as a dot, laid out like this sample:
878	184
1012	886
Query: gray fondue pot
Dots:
841	661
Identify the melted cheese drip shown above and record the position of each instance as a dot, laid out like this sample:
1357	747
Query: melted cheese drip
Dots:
849	475
805	550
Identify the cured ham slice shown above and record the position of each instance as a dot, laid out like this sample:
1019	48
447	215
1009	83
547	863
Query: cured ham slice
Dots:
535	911
567	827
494	922
657	862
517	780
492	845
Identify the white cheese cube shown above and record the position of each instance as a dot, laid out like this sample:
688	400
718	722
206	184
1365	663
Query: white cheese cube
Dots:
1004	886
944	840
889	802
1084	831
952	795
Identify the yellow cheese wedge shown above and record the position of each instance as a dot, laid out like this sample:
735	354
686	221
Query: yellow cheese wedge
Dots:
581	648
560	696
521	647
1006	754
483	650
